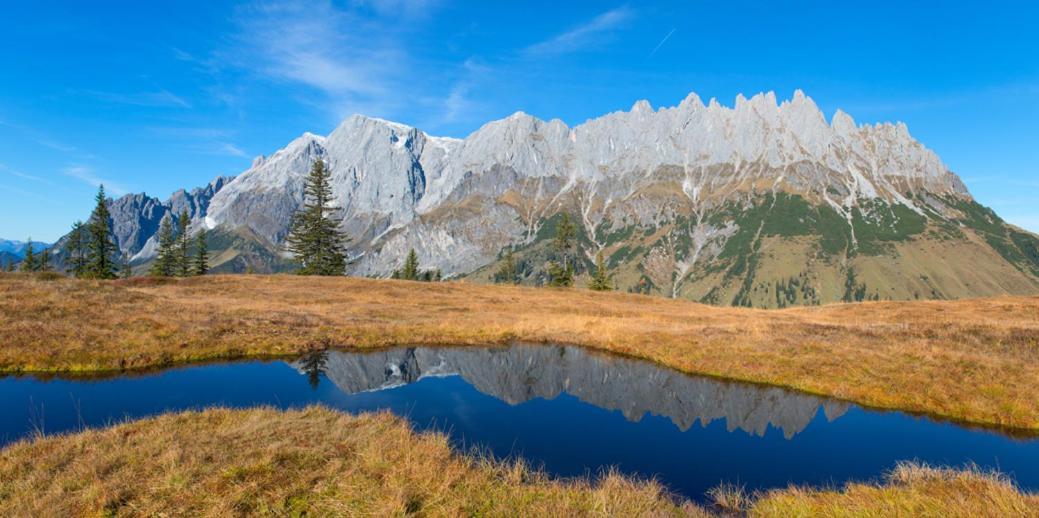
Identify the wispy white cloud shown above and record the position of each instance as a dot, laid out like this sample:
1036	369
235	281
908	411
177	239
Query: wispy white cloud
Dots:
398	8
161	98
211	141
356	62
39	137
87	175
583	36
19	174
21	192
232	150
191	132
458	105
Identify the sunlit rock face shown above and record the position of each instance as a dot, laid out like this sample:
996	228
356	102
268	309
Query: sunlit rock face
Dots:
766	203
635	388
459	202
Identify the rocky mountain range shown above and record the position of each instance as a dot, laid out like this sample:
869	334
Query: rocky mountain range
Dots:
520	373
17	248
763	204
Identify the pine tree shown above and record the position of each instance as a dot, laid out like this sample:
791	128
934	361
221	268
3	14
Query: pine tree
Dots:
561	272
410	270
10	265
165	263
29	259
125	270
44	263
314	238
183	261
601	280
100	264
507	271
77	249
201	253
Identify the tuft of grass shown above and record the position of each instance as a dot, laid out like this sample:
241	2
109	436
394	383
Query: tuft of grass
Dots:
910	489
974	360
309	462
730	499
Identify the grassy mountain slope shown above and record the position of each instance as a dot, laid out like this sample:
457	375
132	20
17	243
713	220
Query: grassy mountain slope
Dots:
779	250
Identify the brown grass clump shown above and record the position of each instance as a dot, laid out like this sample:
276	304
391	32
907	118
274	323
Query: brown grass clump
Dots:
319	462
909	490
730	499
973	360
313	462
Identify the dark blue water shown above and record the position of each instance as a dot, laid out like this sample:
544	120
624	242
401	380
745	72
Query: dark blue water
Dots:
570	411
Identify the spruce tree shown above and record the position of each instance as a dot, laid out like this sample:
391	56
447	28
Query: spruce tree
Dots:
201	265
561	271
100	264
410	271
165	264
125	270
507	271
77	249
314	238
29	259
601	280
44	263
183	261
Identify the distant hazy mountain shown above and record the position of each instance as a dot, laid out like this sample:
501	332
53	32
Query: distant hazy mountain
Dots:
8	258
17	248
764	204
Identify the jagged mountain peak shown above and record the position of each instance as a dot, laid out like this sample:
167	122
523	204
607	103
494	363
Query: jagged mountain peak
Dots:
386	174
843	123
665	193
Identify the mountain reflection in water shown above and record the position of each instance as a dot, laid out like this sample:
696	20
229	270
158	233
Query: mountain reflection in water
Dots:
520	373
567	410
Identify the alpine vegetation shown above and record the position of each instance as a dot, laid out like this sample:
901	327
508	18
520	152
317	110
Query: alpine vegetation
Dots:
411	271
201	262
175	256
601	279
314	236
561	271
166	263
101	250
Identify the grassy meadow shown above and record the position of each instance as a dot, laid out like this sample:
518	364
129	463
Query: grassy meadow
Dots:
975	361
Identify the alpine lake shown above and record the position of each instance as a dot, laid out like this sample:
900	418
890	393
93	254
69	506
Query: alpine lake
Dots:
567	410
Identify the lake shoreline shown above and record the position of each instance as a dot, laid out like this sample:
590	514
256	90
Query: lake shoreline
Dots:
915	357
323	461
106	374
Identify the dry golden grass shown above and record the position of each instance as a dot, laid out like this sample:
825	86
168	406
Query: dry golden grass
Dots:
910	490
971	360
314	461
319	462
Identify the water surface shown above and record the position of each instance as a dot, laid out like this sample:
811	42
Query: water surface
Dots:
571	411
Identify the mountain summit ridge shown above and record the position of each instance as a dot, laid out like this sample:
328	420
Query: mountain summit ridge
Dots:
665	193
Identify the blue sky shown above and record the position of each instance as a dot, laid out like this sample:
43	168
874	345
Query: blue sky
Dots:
154	96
